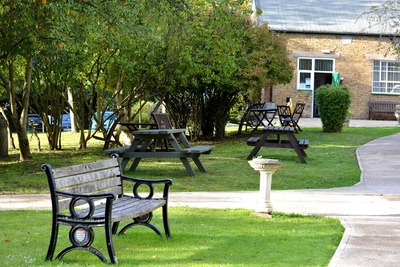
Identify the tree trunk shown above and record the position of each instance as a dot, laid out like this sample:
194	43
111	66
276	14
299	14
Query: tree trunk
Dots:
25	152
20	121
3	137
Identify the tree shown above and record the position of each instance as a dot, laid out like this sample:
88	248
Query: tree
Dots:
21	29
216	54
385	18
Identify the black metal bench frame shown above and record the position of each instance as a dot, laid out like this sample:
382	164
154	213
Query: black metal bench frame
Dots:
98	187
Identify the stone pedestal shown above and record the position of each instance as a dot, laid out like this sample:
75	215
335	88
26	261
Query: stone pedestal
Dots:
266	167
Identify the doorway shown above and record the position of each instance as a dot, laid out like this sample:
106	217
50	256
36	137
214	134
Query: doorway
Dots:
320	79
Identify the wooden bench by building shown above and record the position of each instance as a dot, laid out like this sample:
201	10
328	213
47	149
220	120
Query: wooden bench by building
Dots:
92	195
381	110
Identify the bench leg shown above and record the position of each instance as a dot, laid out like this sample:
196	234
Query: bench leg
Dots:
165	221
53	241
144	220
87	246
110	244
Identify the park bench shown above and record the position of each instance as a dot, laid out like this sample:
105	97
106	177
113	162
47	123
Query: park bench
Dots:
92	195
381	110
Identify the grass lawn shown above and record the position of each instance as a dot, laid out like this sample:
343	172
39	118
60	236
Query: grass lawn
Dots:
331	162
200	237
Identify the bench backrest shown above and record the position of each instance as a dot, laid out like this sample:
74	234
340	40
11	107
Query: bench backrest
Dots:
162	120
298	110
90	178
382	106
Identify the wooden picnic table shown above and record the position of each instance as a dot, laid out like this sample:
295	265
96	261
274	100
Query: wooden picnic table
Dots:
264	116
291	142
142	147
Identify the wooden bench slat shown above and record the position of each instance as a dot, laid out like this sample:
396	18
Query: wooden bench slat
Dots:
94	187
127	208
82	178
86	167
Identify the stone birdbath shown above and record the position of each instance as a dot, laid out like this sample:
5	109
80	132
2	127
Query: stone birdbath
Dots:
266	167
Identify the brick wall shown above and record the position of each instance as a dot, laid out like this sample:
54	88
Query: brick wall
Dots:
352	63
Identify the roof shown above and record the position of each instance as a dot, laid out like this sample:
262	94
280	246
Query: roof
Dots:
320	16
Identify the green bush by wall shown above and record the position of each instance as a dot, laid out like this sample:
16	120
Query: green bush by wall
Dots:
333	103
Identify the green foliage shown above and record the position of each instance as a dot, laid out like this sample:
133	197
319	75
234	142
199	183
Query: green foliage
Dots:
215	53
200	237
333	103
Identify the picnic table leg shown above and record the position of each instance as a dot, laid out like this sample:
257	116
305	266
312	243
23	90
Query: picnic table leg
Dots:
124	162
300	152
135	163
196	159
258	146
259	120
145	145
240	126
188	168
176	147
270	121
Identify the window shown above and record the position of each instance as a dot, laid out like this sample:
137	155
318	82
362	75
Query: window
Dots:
306	69
386	77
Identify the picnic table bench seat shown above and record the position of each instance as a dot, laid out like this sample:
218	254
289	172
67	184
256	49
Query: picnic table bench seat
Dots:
116	150
303	143
198	150
92	195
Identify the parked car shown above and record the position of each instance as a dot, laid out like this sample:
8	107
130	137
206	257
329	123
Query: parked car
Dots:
66	122
108	117
36	121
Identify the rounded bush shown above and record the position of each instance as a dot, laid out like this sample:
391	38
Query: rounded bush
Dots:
333	103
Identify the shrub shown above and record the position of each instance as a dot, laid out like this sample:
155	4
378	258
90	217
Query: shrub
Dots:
333	103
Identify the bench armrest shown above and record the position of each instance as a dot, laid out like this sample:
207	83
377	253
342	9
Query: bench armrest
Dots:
77	200
150	184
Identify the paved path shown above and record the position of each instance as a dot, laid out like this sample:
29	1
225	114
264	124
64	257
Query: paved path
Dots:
370	210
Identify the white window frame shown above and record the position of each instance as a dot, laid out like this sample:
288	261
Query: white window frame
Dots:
381	83
309	85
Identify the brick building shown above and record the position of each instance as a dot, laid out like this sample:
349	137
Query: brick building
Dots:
330	38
